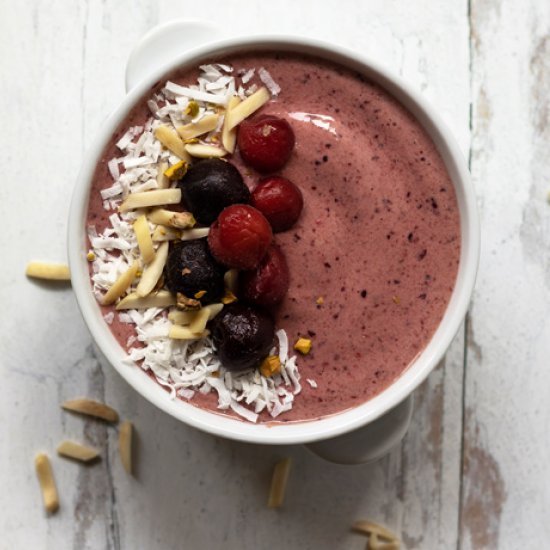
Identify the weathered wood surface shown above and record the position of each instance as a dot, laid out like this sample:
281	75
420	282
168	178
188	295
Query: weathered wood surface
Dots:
473	470
506	473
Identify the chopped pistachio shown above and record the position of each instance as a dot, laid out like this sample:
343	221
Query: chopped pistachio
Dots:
270	365
303	345
176	171
185	303
192	109
228	297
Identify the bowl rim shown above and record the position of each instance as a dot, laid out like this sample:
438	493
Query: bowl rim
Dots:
347	420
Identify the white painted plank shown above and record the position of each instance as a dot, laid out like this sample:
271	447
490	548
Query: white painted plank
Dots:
506	495
191	489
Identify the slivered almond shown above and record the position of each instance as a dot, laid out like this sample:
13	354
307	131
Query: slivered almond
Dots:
90	407
162	181
203	151
77	451
120	285
162	233
229	137
187	317
162	298
181	220
170	139
194	129
278	483
145	199
143	235
177	332
244	109
47	482
47	270
125	445
197	233
198	324
230	280
379	538
153	271
374	543
181	317
213	310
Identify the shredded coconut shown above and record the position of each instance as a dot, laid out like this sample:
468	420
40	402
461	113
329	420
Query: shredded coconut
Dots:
183	367
267	79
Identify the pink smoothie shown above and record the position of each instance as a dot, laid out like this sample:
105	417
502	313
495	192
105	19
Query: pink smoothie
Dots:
374	256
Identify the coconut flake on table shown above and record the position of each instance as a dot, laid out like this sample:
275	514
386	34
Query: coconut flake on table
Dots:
311	382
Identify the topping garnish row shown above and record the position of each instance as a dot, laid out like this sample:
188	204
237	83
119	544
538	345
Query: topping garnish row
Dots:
200	323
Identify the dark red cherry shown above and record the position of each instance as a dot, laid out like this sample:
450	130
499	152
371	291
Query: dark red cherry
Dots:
265	142
268	284
279	200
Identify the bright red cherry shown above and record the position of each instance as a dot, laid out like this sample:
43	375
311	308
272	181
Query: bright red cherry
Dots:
279	200
240	237
268	284
265	142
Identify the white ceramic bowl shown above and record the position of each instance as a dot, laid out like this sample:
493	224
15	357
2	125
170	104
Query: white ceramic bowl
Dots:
301	432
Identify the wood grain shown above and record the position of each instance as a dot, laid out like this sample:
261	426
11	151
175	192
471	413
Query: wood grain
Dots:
506	469
484	486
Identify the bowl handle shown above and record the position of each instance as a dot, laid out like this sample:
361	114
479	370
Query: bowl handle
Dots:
370	442
165	42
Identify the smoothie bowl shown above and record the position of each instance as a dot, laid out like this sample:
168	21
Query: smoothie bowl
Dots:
251	307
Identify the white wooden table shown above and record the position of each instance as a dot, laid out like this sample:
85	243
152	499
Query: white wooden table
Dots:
474	469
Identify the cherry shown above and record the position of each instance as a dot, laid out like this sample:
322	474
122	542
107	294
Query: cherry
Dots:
209	186
279	200
268	283
240	237
243	336
265	142
190	268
